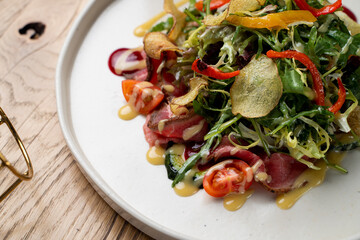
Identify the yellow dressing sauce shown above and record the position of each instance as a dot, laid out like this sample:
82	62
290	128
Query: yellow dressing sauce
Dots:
186	187
156	155
308	180
346	138
126	112
141	30
123	65
169	88
177	149
233	202
193	130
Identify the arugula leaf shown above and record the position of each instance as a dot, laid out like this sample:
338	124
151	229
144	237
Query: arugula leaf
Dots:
349	44
292	81
325	46
351	77
162	26
310	46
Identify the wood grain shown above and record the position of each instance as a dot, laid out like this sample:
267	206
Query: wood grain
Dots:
58	203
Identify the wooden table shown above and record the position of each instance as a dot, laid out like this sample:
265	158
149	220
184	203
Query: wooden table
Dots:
58	203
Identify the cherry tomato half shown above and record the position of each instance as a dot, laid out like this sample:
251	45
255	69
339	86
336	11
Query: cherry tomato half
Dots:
143	96
226	177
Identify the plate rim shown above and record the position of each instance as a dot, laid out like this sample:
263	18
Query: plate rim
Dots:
74	38
93	9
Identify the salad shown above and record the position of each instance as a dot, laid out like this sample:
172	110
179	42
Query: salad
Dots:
242	92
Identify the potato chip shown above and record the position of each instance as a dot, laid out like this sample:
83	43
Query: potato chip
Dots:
235	6
196	84
257	89
354	120
179	19
212	20
156	42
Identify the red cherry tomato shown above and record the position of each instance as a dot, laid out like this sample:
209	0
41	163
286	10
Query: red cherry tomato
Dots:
143	96
226	177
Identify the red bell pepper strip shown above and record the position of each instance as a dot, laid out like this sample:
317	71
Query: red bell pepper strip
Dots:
155	63
301	57
341	99
201	67
303	5
214	4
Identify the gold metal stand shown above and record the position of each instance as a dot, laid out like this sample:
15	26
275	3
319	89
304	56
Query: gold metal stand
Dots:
27	175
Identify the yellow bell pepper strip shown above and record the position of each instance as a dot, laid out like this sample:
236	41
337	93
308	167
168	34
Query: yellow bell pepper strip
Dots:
304	59
202	68
341	99
302	4
273	20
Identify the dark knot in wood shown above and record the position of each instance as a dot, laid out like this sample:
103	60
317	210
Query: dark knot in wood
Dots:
38	27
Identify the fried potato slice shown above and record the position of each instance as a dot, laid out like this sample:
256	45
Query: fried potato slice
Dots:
196	84
354	120
257	89
179	19
212	20
235	6
156	42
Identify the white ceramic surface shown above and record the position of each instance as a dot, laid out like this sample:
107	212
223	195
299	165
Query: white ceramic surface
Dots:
111	152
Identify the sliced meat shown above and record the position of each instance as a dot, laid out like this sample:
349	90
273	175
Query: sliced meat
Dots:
162	126
276	173
164	112
140	75
227	150
170	86
155	139
283	170
189	127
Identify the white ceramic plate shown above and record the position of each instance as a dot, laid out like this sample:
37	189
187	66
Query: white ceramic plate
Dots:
111	152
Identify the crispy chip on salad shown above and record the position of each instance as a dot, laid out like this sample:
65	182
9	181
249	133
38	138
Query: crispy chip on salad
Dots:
254	94
156	42
245	5
196	84
235	6
354	120
179	19
212	20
